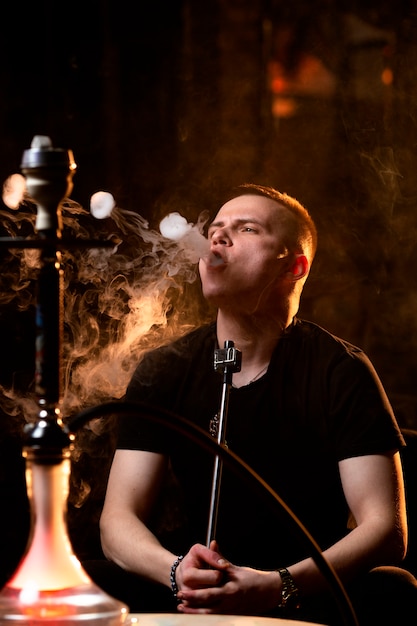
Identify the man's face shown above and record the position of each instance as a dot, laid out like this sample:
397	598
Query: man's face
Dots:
248	254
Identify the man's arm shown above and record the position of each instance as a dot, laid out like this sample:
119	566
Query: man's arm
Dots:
133	487
374	491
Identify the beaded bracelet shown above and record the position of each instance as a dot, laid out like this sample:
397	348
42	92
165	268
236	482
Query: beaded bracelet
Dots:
174	566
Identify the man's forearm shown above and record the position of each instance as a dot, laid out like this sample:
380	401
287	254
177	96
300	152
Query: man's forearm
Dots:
132	546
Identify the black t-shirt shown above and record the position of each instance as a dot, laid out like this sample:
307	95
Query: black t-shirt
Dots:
319	402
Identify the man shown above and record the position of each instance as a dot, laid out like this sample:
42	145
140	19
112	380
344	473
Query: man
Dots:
307	412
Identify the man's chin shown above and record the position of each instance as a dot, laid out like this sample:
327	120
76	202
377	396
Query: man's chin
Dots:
217	297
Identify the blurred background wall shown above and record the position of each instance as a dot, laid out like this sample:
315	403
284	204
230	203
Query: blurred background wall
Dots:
167	105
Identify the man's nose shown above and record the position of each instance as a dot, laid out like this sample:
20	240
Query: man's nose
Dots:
221	237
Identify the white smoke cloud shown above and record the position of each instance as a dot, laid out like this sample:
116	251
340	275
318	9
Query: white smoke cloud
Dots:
118	300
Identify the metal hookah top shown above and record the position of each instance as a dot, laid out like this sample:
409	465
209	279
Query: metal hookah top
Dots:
49	172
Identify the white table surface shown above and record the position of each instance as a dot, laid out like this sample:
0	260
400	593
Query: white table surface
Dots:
187	619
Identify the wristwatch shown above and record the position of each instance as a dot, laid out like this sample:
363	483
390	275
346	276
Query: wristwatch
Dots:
290	595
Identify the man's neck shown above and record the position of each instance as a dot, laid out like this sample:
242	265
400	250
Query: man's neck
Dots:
256	339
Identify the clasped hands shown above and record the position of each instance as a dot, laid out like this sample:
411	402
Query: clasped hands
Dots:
209	583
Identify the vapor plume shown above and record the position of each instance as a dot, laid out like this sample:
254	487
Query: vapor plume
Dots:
118	300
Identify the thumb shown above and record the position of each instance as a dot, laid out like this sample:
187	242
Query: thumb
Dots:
222	561
214	546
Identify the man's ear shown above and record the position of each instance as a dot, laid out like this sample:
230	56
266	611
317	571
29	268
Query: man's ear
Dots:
299	268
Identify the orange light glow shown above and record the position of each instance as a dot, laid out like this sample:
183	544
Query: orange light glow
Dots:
49	611
387	76
284	107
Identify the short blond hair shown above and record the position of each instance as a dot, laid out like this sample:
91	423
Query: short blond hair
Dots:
304	234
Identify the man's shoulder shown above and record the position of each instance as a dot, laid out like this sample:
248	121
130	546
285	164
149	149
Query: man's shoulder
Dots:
312	331
170	361
193	337
184	346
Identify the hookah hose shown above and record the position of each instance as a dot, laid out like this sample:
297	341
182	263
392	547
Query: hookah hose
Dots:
240	468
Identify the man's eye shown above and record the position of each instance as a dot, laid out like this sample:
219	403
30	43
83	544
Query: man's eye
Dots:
248	229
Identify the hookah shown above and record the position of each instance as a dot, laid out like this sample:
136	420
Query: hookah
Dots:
50	586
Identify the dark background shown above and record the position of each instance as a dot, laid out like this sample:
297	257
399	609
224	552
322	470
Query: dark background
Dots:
168	104
165	106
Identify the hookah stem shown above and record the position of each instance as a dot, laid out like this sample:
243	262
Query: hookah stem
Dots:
217	470
226	361
48	172
49	327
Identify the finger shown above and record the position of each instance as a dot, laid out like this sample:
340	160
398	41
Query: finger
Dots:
216	559
202	578
199	599
214	546
188	609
